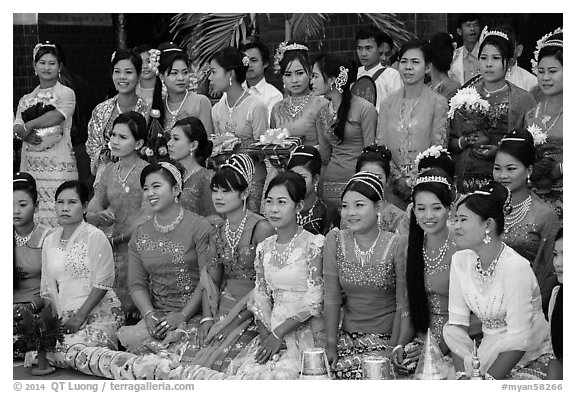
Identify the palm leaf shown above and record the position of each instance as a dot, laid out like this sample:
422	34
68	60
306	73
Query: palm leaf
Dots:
391	25
306	26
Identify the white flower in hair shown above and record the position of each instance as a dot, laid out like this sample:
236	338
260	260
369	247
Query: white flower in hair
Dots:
541	43
433	151
154	60
539	136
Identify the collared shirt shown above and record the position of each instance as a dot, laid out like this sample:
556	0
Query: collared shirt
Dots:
266	93
470	62
388	82
522	78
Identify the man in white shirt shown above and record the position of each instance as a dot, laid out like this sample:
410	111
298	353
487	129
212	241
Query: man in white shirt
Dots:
518	75
465	63
371	45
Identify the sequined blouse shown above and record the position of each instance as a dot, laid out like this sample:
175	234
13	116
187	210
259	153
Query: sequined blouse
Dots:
238	264
509	302
167	265
537	231
100	125
197	195
320	218
291	288
315	118
375	290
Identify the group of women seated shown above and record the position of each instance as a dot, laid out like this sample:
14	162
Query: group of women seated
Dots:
371	236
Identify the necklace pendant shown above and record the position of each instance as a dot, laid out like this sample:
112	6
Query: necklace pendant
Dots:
126	189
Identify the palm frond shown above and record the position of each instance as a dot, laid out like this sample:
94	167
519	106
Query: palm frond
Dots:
309	25
391	25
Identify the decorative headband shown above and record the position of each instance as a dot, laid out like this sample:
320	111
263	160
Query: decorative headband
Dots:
341	79
295	152
485	33
544	42
507	204
282	48
113	56
432	179
174	171
243	165
172	50
46	44
370	179
20	180
433	151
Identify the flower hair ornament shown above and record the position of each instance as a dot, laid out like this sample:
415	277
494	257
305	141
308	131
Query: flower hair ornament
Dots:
485	33
245	60
243	165
433	151
370	179
112	57
42	45
154	60
341	79
283	47
175	173
545	41
538	135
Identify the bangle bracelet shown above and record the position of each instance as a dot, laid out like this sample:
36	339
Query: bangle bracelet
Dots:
399	346
146	313
206	319
460	144
276	336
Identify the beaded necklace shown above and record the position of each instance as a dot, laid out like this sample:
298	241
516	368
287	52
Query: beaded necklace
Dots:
282	257
432	263
171	226
486	277
365	256
121	180
233	236
295	110
518	214
22	240
230	125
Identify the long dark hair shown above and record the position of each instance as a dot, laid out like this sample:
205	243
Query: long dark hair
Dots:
417	297
329	65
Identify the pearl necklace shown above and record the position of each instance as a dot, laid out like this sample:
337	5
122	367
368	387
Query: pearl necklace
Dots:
437	86
169	227
486	277
365	256
547	118
295	110
233	237
489	93
22	240
123	181
432	263
518	214
282	257
174	114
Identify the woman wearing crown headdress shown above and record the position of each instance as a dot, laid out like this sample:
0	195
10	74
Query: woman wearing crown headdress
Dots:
531	226
240	115
301	112
430	249
43	121
126	66
171	95
508	104
236	239
368	266
167	261
547	117
494	282
353	126
411	119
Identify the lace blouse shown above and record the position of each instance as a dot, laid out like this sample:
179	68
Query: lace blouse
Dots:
197	194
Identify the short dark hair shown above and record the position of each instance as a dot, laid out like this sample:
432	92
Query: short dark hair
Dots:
312	161
294	183
463	18
194	130
157	168
441	51
80	188
378	154
228	179
522	150
262	48
23	181
489	206
416	44
130	55
373	32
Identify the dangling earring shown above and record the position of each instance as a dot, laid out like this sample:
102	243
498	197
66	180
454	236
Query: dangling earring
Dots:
379	217
164	89
528	182
59	74
230	80
316	187
487	239
35	72
244	208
